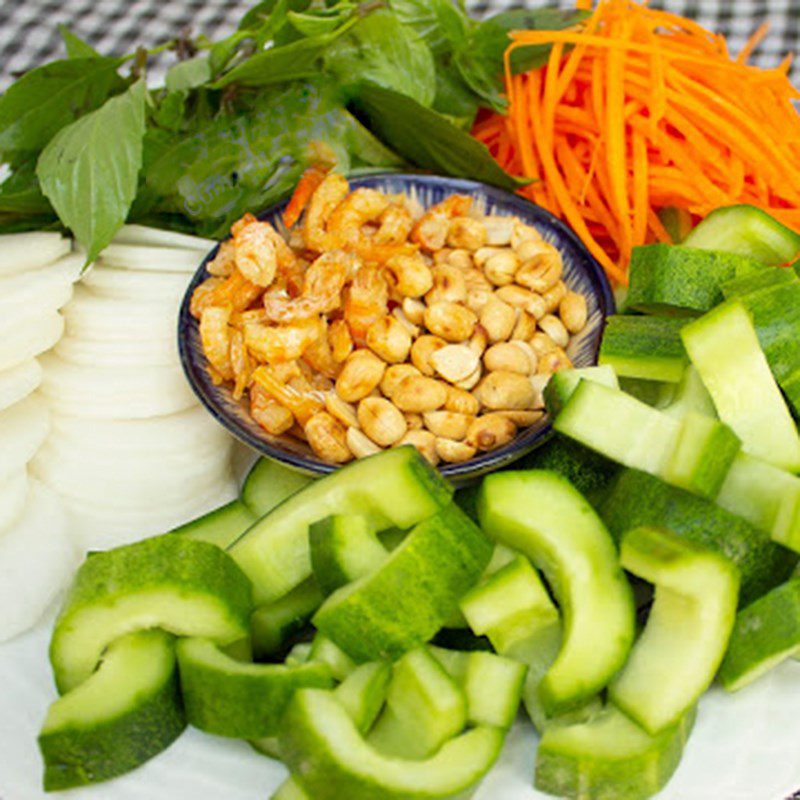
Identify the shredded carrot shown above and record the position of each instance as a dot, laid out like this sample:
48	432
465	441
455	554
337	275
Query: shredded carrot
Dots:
638	109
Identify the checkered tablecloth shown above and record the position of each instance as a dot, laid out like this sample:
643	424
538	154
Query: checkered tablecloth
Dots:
29	28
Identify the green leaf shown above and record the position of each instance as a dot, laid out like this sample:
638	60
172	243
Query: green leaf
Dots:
21	194
318	21
76	47
47	98
441	23
428	139
89	170
383	51
454	98
188	74
259	14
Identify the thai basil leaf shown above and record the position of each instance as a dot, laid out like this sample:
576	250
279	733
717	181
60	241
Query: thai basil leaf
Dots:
383	51
188	74
259	14
454	98
47	98
21	194
441	23
428	139
76	47
90	169
318	21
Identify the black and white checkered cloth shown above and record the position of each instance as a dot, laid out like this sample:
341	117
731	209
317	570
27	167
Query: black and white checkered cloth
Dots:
29	28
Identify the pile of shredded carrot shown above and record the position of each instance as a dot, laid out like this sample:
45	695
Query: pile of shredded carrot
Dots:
638	110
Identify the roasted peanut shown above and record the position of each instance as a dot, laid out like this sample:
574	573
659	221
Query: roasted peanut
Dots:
420	394
343	411
471	381
479	290
523	233
381	421
498	318
328	438
414	310
521	418
479	340
448	285
480	257
361	373
542	272
554	295
515	296
555	329
461	402
452	321
490	431
410	275
539	383
449	424
421	351
453	452
531	248
542	343
455	362
415	422
573	312
400	316
506	390
461	259
389	339
360	444
507	356
467	233
525	327
530	353
554	361
425	442
394	375
441	256
501	268
499	229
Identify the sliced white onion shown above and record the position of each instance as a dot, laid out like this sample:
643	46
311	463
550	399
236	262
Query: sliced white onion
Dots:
144	235
37	558
23	251
13	494
141	353
16	383
23	428
114	392
151	259
128	284
30	338
47	289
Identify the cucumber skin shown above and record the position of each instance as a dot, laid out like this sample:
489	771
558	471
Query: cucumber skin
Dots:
676	279
240	701
167	560
75	757
637	499
400	607
221	527
765	629
268	484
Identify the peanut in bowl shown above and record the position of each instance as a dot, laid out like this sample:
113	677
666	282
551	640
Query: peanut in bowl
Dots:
427	311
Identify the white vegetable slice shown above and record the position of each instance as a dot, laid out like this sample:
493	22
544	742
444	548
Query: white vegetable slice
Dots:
23	429
144	235
30	338
114	392
16	383
128	284
13	494
23	251
141	353
151	259
37	558
32	292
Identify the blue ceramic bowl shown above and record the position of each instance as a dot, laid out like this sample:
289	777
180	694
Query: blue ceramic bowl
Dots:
582	273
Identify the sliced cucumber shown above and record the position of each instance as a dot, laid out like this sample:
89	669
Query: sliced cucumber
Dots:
569	542
221	527
493	686
644	347
637	499
561	385
609	757
770	278
690	395
394	488
121	716
273	624
269	483
324	750
243	701
409	598
746	231
363	693
668	279
424	709
724	347
326	651
766	633
344	548
185	587
684	640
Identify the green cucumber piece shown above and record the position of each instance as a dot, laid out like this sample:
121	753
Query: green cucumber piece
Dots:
238	700
677	222
363	692
689	395
637	499
768	278
290	789
326	651
424	709
765	634
651	393
268	484
274	624
746	231
221	527
644	347
609	757
543	517
409	598
268	746
395	488
564	382
680	280
687	631
186	587
125	713
324	750
344	548
299	654
724	347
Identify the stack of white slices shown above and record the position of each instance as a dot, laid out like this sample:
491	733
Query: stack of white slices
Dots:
37	555
130	452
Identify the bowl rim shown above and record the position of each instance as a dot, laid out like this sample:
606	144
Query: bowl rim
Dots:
475	467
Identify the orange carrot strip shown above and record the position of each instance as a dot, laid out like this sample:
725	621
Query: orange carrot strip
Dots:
753	42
